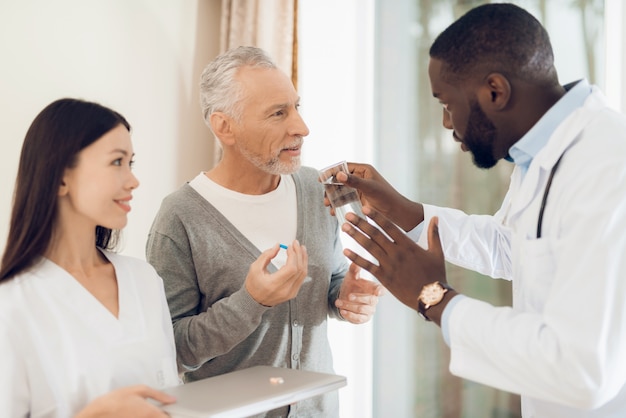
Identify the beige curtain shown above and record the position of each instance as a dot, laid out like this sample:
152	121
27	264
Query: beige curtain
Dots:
267	24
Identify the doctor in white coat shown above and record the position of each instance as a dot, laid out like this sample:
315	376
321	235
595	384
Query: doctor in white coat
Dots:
560	234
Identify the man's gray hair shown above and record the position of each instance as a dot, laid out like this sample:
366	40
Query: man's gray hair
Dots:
219	90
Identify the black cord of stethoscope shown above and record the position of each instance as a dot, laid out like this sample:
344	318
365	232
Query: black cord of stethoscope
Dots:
545	197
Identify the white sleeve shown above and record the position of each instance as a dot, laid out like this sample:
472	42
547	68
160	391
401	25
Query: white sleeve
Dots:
475	242
14	392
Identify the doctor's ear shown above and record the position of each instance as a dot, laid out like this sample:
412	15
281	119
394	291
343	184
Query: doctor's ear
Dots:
495	93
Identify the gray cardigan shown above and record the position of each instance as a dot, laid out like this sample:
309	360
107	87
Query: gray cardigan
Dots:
203	260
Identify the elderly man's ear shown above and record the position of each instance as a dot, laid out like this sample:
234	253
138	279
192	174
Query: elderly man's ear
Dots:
222	127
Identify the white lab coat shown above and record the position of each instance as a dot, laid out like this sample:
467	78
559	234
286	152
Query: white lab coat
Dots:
562	345
60	348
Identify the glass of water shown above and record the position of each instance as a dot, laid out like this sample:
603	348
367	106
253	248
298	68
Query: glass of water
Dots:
342	198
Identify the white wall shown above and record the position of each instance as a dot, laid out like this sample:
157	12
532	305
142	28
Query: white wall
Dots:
143	58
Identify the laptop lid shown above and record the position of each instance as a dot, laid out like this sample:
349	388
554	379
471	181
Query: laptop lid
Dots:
248	391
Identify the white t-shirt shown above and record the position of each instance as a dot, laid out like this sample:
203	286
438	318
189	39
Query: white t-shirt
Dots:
265	219
60	347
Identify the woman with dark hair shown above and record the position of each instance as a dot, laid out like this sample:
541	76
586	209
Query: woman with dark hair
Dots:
83	331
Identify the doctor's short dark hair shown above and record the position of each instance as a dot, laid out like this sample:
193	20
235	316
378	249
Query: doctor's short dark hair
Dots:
498	37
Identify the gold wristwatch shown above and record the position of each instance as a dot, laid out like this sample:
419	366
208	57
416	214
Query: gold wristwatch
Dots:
431	294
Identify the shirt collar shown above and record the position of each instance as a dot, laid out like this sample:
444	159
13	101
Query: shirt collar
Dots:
524	150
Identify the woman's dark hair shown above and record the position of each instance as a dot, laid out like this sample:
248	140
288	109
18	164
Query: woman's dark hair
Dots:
56	136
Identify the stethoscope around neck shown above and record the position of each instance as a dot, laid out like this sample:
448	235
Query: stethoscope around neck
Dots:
545	196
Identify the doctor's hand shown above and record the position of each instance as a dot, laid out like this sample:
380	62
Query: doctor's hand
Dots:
403	266
376	192
358	297
128	402
270	289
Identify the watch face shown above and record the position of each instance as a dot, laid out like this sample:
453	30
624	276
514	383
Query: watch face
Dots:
432	294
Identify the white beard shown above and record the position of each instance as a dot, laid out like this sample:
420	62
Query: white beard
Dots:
272	165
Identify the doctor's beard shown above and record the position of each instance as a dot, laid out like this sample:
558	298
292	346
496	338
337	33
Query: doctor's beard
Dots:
480	137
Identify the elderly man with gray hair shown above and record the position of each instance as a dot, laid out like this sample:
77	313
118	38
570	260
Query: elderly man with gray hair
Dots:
251	259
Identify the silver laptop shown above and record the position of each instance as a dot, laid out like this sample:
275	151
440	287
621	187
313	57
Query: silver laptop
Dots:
248	391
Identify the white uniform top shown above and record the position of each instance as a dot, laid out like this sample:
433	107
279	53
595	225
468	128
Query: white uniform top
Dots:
562	345
60	347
